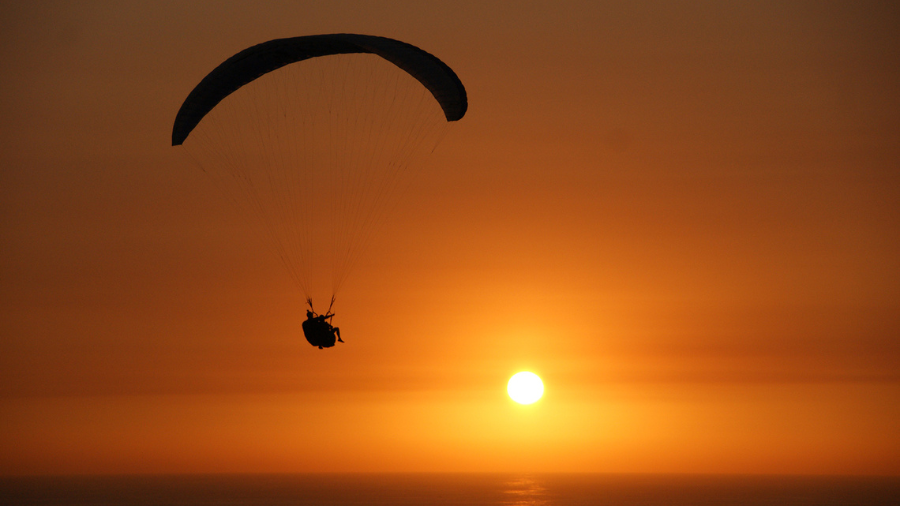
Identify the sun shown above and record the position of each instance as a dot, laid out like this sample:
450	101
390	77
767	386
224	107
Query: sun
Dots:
525	387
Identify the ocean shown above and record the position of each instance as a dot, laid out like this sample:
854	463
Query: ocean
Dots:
450	489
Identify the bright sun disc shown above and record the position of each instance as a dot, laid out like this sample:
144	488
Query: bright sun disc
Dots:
525	387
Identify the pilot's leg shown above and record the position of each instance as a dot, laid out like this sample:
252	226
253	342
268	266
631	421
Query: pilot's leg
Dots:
337	332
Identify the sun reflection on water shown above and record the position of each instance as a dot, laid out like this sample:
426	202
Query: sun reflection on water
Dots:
525	491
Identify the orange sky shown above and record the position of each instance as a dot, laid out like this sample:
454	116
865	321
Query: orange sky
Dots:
684	218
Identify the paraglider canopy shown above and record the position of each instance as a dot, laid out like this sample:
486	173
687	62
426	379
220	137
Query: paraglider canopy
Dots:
261	59
314	138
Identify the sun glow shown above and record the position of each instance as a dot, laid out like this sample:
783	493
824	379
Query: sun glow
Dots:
525	387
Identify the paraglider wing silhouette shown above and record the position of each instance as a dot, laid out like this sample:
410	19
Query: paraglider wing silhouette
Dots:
261	59
314	154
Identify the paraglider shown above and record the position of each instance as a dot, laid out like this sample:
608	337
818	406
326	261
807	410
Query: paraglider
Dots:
315	137
320	332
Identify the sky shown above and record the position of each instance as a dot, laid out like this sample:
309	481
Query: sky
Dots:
684	217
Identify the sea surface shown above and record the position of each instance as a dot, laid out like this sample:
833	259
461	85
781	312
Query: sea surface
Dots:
451	489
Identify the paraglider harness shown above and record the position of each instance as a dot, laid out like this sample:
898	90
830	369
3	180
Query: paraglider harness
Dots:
317	330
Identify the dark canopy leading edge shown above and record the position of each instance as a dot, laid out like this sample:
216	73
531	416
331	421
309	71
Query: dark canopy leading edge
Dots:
261	59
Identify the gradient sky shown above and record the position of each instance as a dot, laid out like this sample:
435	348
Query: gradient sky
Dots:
685	217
